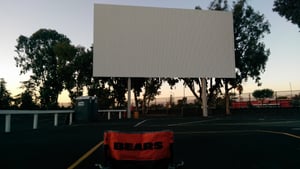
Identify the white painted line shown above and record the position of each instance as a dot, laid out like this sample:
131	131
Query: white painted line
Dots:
215	132
259	123
191	122
139	123
241	131
281	133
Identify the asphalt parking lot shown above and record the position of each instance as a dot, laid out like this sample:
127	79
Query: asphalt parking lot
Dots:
220	142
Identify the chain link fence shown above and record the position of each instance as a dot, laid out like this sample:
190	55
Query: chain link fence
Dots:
281	99
285	98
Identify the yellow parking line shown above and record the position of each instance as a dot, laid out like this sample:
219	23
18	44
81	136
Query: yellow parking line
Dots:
84	156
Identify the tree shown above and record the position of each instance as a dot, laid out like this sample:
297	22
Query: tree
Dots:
118	90
98	88
194	84
152	86
137	85
290	9
27	99
45	53
110	91
5	98
263	94
78	73
219	5
251	54
296	100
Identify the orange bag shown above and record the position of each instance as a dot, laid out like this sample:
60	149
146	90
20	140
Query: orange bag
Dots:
139	146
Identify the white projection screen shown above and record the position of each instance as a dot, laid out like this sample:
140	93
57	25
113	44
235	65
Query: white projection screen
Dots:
131	41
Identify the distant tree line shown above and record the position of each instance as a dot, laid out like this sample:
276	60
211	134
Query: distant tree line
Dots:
5	98
55	65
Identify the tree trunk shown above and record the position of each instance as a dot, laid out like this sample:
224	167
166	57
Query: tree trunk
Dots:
136	101
227	99
144	103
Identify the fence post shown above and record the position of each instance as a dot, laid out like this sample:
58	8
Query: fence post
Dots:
35	121
7	123
108	115
70	118
120	114
55	119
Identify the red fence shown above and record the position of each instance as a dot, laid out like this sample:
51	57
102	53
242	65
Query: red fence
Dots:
282	103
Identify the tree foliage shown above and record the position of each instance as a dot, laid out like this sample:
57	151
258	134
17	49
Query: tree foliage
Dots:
118	90
251	54
296	100
27	99
290	9
98	88
78	73
45	54
219	5
263	94
137	85
55	64
5	98
151	86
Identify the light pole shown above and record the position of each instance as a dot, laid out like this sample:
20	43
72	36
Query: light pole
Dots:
291	90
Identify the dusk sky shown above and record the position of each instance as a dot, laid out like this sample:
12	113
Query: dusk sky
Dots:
74	18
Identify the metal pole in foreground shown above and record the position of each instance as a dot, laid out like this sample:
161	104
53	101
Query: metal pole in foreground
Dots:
129	98
204	97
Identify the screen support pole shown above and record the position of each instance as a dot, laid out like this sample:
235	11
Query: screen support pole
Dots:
204	97
129	98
